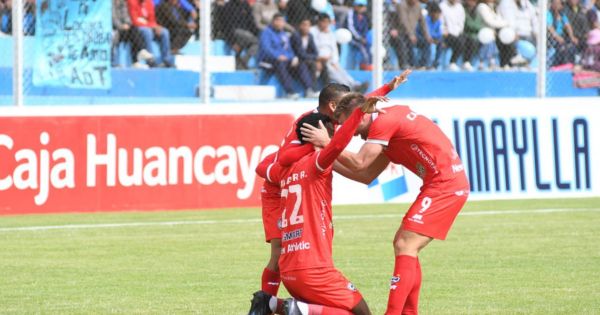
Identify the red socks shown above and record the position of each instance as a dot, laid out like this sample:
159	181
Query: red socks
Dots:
403	281
411	307
270	282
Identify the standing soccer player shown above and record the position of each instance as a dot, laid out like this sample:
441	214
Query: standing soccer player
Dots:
306	262
404	137
291	150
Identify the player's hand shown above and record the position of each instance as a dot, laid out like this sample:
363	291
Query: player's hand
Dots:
397	80
319	137
369	106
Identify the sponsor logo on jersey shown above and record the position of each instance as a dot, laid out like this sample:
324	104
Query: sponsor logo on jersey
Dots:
288	236
417	218
421	170
424	156
298	246
457	168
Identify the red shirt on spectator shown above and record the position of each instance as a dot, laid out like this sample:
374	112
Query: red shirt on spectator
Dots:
142	13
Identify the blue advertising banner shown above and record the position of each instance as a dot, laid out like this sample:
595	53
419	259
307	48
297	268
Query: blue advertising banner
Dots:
73	44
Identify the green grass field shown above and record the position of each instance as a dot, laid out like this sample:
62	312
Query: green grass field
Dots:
506	262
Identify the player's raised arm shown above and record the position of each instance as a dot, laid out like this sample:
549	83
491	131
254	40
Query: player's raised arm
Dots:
293	152
392	85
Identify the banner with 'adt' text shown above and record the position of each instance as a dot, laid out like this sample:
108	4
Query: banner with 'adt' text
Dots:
73	44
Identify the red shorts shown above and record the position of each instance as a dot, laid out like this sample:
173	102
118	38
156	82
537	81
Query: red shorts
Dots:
434	211
271	211
322	286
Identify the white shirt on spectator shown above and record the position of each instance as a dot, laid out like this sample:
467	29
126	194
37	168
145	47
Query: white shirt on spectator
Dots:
453	18
490	18
326	44
523	20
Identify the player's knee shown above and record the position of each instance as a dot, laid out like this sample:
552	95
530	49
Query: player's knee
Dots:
403	246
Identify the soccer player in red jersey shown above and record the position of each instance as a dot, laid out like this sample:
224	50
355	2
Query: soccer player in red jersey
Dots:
290	151
306	262
404	137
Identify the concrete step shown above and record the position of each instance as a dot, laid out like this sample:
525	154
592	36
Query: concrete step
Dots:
244	92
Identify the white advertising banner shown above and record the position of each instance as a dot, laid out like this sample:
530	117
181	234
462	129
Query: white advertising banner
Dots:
511	149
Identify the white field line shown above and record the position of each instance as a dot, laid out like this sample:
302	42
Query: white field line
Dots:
337	217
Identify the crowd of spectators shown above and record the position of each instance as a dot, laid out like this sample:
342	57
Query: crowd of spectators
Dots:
418	33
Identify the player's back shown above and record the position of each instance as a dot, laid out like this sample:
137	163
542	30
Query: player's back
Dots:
307	229
416	142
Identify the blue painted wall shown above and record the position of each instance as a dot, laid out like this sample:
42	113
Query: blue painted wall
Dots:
167	84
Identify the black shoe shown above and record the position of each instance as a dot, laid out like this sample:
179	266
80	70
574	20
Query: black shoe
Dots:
290	307
260	304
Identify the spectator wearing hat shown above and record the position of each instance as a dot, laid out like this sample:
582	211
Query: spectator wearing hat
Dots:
434	47
358	24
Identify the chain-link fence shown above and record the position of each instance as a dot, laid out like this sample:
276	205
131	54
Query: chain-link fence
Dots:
261	49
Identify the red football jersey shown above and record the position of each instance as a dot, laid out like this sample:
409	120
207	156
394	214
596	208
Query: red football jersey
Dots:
307	229
291	141
415	142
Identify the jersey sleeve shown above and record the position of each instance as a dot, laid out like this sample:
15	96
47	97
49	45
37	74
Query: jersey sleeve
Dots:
294	153
382	129
274	171
381	91
340	140
261	169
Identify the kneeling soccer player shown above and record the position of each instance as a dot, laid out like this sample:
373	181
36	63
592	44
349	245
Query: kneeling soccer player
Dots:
306	263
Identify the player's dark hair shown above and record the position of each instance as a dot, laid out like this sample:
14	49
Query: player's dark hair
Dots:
332	92
347	104
313	120
277	15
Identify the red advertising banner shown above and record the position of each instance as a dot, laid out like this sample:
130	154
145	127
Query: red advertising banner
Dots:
112	163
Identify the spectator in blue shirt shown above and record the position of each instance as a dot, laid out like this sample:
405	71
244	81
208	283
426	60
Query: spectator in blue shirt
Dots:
560	35
275	53
430	52
358	24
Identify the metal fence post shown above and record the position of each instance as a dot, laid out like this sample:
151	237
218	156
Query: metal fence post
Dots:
17	34
378	48
542	51
205	21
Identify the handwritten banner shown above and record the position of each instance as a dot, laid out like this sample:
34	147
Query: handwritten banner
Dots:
73	44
